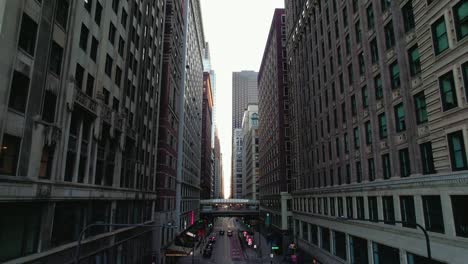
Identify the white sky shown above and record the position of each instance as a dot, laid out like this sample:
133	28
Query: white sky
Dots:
237	32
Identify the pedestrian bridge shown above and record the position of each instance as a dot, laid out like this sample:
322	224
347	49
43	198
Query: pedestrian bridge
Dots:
229	207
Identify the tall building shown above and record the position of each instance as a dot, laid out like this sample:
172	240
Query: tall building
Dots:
380	113
244	92
218	168
169	120
236	175
78	128
191	103
274	131
250	149
207	162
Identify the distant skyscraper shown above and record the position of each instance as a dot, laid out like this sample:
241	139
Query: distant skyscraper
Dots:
236	178
207	181
250	165
244	92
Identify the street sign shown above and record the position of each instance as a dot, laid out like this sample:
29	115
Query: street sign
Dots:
275	247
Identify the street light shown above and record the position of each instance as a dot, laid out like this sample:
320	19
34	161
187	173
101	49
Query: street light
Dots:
428	245
77	251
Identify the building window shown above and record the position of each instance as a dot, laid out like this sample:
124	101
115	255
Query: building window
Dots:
84	37
408	214
373	210
48	106
88	4
123	18
19	92
332	203
378	87
79	76
346	144
339	245
350	74
108	67
408	16
405	167
382	126
414	60
358	171
400	123
416	259
115	5
55	64
457	151
90	85
427	158
368	132
386	166
112	31
314	234
460	12
362	65
447	91
348	45
349	207
386	4
353	105
98	13
388	210
385	254
374	51
439	36
340	206
118	76
420	105
460	214
94	49
360	207
348	174
325	232
345	17
395	75
9	153
370	17
61	13
357	28
389	35
28	34
358	250
356	138
433	216
371	169
19	228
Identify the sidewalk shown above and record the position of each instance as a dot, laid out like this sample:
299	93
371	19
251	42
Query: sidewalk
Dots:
263	250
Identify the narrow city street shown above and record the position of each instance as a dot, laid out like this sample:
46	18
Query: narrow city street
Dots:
228	249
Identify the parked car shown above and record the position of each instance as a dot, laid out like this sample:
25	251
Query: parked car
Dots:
229	232
221	232
213	239
207	252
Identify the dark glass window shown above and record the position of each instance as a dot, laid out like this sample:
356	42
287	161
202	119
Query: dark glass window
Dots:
98	14
28	34
426	158
370	17
385	255
400	123
349	207
358	171
373	209
362	65
360	207
61	13
389	35
340	206
374	51
79	76
457	151
108	66
460	214
112	31
433	216
388	210
368	132
447	91
416	259
385	4
395	75
439	36
123	19
408	16
465	77
421	110
348	44
358	250
94	49
9	153
88	4
378	87
339	247
408	214
357	29
357	143
460	13
325	232
405	167
118	76
414	60
55	64
90	85
84	37
371	169
48	107
345	17
19	92
386	166
382	126
115	5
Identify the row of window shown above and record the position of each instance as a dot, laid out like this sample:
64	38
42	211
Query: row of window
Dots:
355	208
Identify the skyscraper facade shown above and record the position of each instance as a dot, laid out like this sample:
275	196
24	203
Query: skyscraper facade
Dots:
236	176
250	149
78	128
379	90
244	92
191	104
218	168
275	131
207	163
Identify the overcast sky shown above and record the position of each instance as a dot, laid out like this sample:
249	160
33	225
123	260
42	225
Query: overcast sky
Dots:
237	31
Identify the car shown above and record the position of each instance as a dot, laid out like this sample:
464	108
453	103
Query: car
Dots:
229	232
207	253
213	239
221	232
